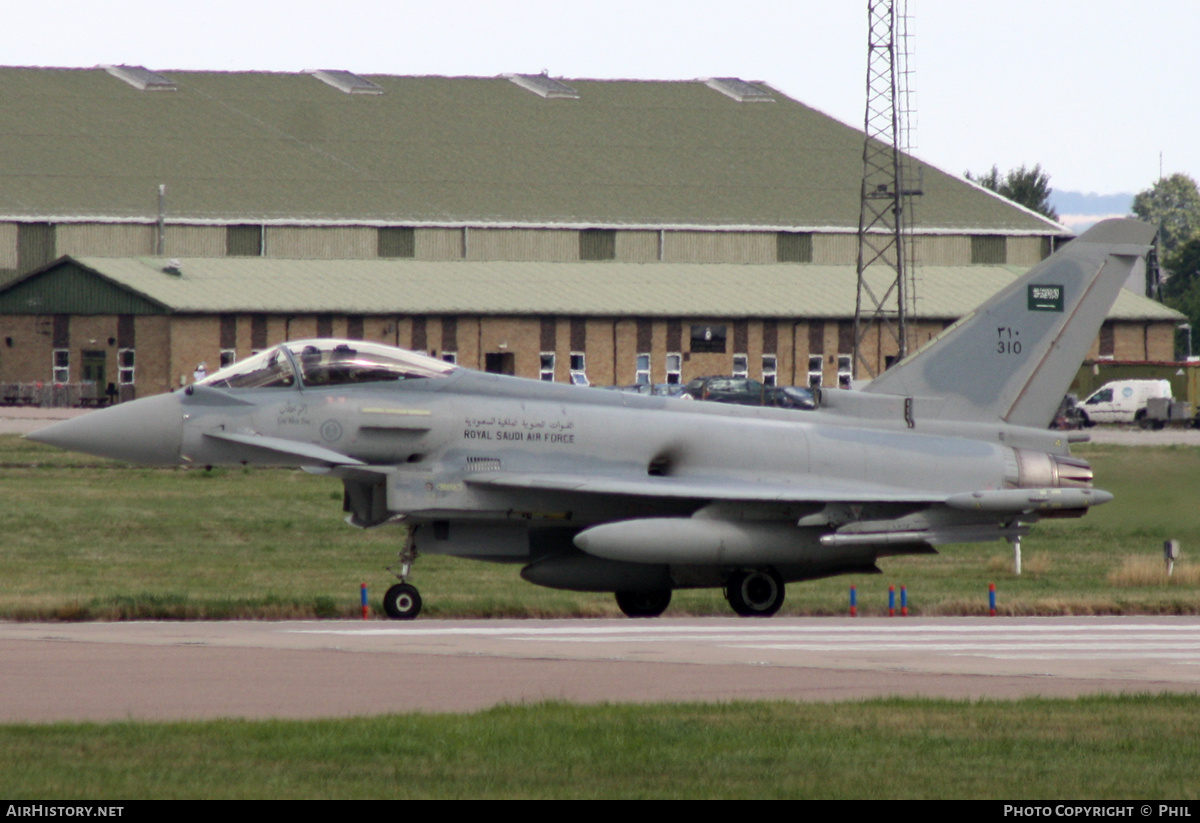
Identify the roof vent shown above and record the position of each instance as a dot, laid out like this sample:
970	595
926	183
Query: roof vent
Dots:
141	78
740	90
347	81
173	267
544	86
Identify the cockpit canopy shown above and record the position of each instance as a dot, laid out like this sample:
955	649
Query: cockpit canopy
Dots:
319	363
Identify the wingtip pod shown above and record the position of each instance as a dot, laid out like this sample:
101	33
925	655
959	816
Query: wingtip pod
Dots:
1029	500
1013	358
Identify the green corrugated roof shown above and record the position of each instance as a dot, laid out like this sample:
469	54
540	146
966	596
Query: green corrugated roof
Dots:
217	285
252	146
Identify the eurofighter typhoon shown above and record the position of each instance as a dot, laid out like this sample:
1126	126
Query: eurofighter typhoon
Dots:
638	495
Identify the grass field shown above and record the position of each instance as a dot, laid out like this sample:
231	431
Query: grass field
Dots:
90	539
1095	748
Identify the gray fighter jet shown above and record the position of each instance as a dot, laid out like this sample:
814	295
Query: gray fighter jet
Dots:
640	495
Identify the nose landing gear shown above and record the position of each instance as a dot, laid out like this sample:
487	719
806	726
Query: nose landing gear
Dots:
402	601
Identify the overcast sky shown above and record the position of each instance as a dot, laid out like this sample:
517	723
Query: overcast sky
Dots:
1093	90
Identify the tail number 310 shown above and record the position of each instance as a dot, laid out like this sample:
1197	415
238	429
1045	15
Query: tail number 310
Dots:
1008	342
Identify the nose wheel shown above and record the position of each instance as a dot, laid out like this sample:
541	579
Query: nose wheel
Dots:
402	602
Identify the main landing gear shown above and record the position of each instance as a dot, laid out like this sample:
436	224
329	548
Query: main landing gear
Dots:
644	604
750	592
402	601
755	593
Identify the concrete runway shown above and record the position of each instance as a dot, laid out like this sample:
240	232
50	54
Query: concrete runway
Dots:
113	671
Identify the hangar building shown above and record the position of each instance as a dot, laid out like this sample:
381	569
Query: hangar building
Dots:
619	230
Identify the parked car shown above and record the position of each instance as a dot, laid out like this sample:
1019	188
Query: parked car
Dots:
1122	401
790	397
739	390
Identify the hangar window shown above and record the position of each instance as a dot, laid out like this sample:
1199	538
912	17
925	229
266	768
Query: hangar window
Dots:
770	369
244	241
597	244
741	365
815	369
546	372
125	366
642	374
793	247
989	248
62	366
845	370
579	369
396	241
674	369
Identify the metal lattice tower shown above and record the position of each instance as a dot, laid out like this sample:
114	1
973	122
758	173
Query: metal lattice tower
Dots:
885	212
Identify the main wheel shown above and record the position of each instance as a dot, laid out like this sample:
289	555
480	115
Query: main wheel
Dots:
644	604
755	593
402	602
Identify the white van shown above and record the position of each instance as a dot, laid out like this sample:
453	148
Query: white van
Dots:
1122	401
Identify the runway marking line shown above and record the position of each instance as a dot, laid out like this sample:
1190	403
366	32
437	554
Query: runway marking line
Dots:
681	631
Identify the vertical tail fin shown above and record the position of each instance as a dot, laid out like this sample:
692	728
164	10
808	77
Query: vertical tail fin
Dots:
1014	357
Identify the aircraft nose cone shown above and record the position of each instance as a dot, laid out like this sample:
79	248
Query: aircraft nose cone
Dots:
146	431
